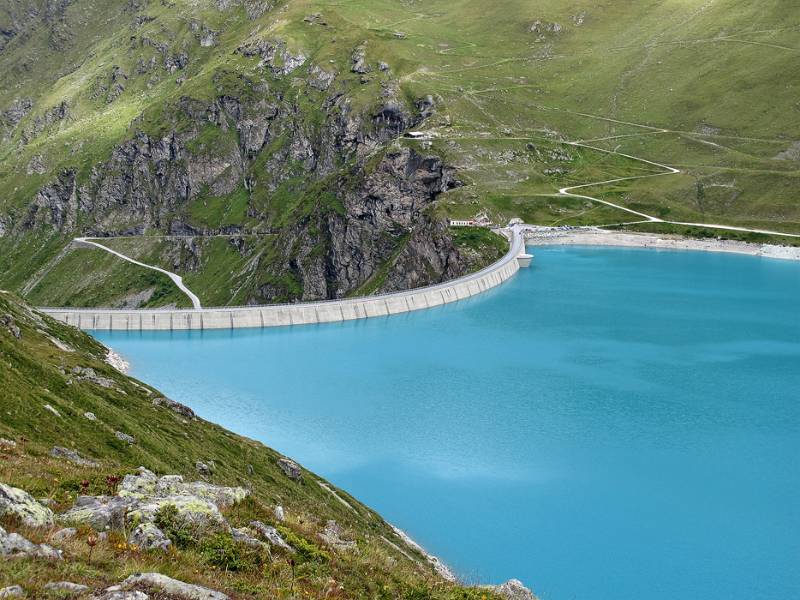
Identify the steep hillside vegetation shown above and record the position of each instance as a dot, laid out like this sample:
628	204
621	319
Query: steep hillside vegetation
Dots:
277	127
73	428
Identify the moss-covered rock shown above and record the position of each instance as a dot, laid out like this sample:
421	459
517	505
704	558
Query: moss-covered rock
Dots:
19	504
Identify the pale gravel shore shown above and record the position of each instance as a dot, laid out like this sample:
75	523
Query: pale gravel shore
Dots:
603	237
115	360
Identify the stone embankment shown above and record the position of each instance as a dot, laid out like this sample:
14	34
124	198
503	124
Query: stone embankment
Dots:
298	314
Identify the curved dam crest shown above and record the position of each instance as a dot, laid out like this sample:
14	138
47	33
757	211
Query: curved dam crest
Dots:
304	313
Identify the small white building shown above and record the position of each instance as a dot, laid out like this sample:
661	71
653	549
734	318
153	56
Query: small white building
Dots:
462	223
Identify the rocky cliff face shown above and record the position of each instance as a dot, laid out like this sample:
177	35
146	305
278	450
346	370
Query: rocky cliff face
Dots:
346	203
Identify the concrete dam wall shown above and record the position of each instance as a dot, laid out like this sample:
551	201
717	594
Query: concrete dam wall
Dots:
301	313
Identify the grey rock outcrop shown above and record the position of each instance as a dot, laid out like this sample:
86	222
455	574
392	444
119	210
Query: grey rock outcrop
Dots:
290	468
274	55
174	406
8	322
269	533
48	119
168	586
56	204
204	469
124	437
544	28
72	456
359	60
245	535
20	504
513	589
140	498
52	410
36	165
149	537
15	112
13	545
12	591
121	595
332	535
99	512
67	587
320	78
90	375
63	535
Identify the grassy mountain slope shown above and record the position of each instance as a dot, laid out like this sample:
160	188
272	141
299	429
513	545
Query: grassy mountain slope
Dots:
36	371
707	86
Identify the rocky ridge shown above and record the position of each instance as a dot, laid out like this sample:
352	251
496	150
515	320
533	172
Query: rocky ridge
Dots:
358	216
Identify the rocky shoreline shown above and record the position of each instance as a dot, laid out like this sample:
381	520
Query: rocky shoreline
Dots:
602	237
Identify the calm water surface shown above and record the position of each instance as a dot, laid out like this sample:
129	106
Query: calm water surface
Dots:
611	424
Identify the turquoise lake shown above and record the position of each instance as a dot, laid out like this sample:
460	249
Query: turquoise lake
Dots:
610	424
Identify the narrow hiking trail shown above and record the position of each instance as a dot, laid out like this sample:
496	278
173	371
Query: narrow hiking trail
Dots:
567	192
176	279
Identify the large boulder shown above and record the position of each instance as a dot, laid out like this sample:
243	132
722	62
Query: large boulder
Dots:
191	510
177	407
20	504
290	468
513	589
13	545
99	512
269	533
138	486
12	591
149	537
72	456
65	587
245	535
332	535
63	535
168	586
223	497
146	485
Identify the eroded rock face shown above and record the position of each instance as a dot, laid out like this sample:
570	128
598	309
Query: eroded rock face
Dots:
20	504
372	230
